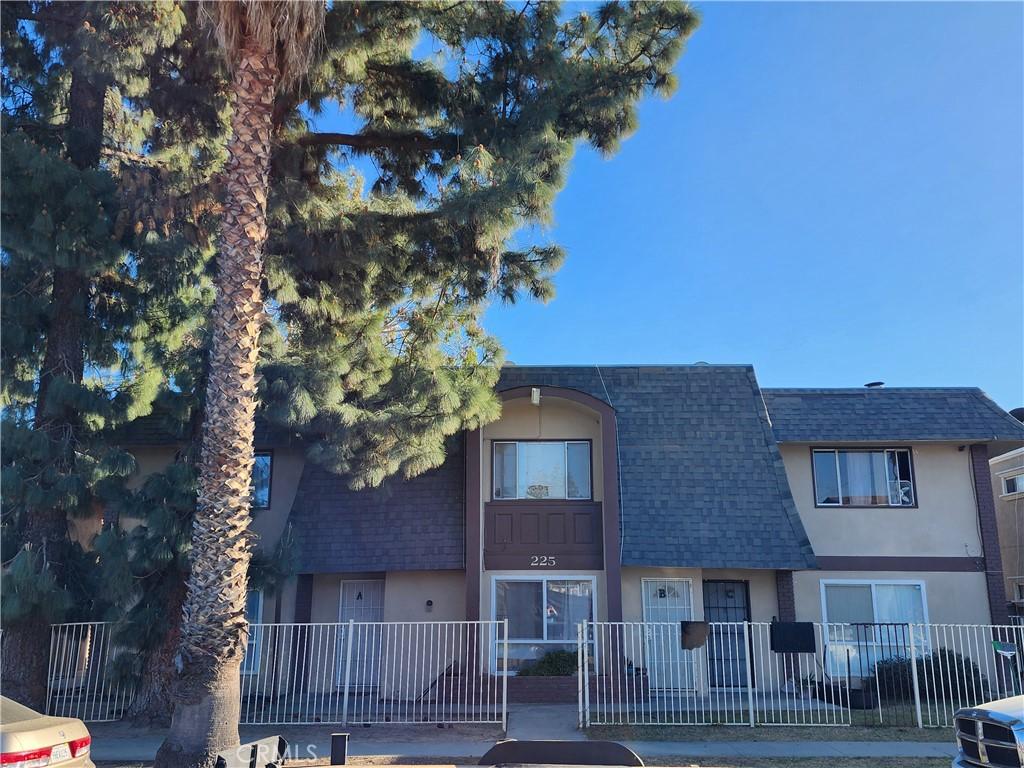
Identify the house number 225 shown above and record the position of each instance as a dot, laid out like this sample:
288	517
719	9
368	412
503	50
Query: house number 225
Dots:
543	561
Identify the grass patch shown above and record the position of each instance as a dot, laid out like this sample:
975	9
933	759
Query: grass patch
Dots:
801	762
765	733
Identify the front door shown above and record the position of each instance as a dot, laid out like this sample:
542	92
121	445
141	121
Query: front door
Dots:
363	603
727	602
667	602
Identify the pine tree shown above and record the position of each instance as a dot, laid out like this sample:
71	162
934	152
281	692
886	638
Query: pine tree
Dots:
96	285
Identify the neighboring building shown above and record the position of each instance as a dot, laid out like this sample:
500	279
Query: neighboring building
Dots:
663	493
1008	490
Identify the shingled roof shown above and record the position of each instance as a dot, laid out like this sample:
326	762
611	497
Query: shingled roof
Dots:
888	414
702	480
404	525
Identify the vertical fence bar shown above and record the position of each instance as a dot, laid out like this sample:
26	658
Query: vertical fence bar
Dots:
747	653
349	634
504	678
913	675
586	673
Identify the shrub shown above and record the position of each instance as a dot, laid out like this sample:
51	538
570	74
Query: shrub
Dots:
942	674
551	664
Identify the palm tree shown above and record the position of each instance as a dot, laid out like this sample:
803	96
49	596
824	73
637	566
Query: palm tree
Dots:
267	44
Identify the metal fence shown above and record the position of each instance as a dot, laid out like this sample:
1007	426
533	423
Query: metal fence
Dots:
647	673
376	672
83	679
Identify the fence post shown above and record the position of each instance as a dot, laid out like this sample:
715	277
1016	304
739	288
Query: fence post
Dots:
580	674
504	678
348	670
49	671
586	673
913	676
747	648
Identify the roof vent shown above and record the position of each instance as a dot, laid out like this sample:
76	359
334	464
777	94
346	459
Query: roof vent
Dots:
874	384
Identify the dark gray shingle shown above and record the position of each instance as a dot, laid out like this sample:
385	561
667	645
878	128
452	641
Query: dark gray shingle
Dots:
888	414
405	525
702	480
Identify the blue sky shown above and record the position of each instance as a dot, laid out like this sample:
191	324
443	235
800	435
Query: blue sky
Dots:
835	194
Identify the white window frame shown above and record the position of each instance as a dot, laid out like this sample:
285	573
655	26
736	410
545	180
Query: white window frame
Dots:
1017	476
544	579
251	665
565	458
874	583
888	481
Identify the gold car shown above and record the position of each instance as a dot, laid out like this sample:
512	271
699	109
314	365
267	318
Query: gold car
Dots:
31	740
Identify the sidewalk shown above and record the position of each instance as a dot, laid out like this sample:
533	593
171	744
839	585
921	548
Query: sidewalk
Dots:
110	744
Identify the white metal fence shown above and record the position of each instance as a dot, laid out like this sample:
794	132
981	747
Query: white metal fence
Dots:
376	672
632	673
639	673
83	679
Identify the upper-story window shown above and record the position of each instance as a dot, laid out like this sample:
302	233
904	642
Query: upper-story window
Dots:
549	469
863	478
261	471
1013	484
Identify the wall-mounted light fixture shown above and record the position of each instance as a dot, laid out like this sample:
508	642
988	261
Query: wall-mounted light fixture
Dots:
535	395
430	606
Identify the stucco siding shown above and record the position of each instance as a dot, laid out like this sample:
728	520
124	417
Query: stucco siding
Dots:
1010	519
406	594
951	598
944	523
267	524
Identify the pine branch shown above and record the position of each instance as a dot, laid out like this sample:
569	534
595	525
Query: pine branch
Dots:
374	140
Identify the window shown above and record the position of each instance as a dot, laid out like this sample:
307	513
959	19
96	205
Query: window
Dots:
542	470
261	468
542	614
863	478
881	609
253	615
1013	484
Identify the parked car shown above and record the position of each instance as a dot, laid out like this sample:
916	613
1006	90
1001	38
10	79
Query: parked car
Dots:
31	740
991	735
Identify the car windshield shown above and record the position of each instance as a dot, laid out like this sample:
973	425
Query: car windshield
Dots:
13	712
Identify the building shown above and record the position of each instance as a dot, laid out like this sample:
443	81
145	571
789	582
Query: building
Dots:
1008	492
658	493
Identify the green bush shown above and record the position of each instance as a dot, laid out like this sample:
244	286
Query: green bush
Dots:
551	664
941	674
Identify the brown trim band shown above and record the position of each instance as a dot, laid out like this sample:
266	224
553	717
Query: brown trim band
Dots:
474	510
872	563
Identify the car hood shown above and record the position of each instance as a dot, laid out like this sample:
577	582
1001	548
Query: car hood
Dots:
1011	707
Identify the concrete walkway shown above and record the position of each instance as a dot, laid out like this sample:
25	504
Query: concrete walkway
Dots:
117	742
121	745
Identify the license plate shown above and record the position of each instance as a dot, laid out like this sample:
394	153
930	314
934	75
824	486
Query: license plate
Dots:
60	752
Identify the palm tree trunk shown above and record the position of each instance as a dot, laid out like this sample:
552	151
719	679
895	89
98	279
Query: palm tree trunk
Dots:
213	629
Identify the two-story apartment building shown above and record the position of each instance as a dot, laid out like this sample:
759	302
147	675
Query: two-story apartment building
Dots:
659	493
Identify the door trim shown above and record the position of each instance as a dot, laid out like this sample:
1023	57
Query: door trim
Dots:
750	639
643	592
